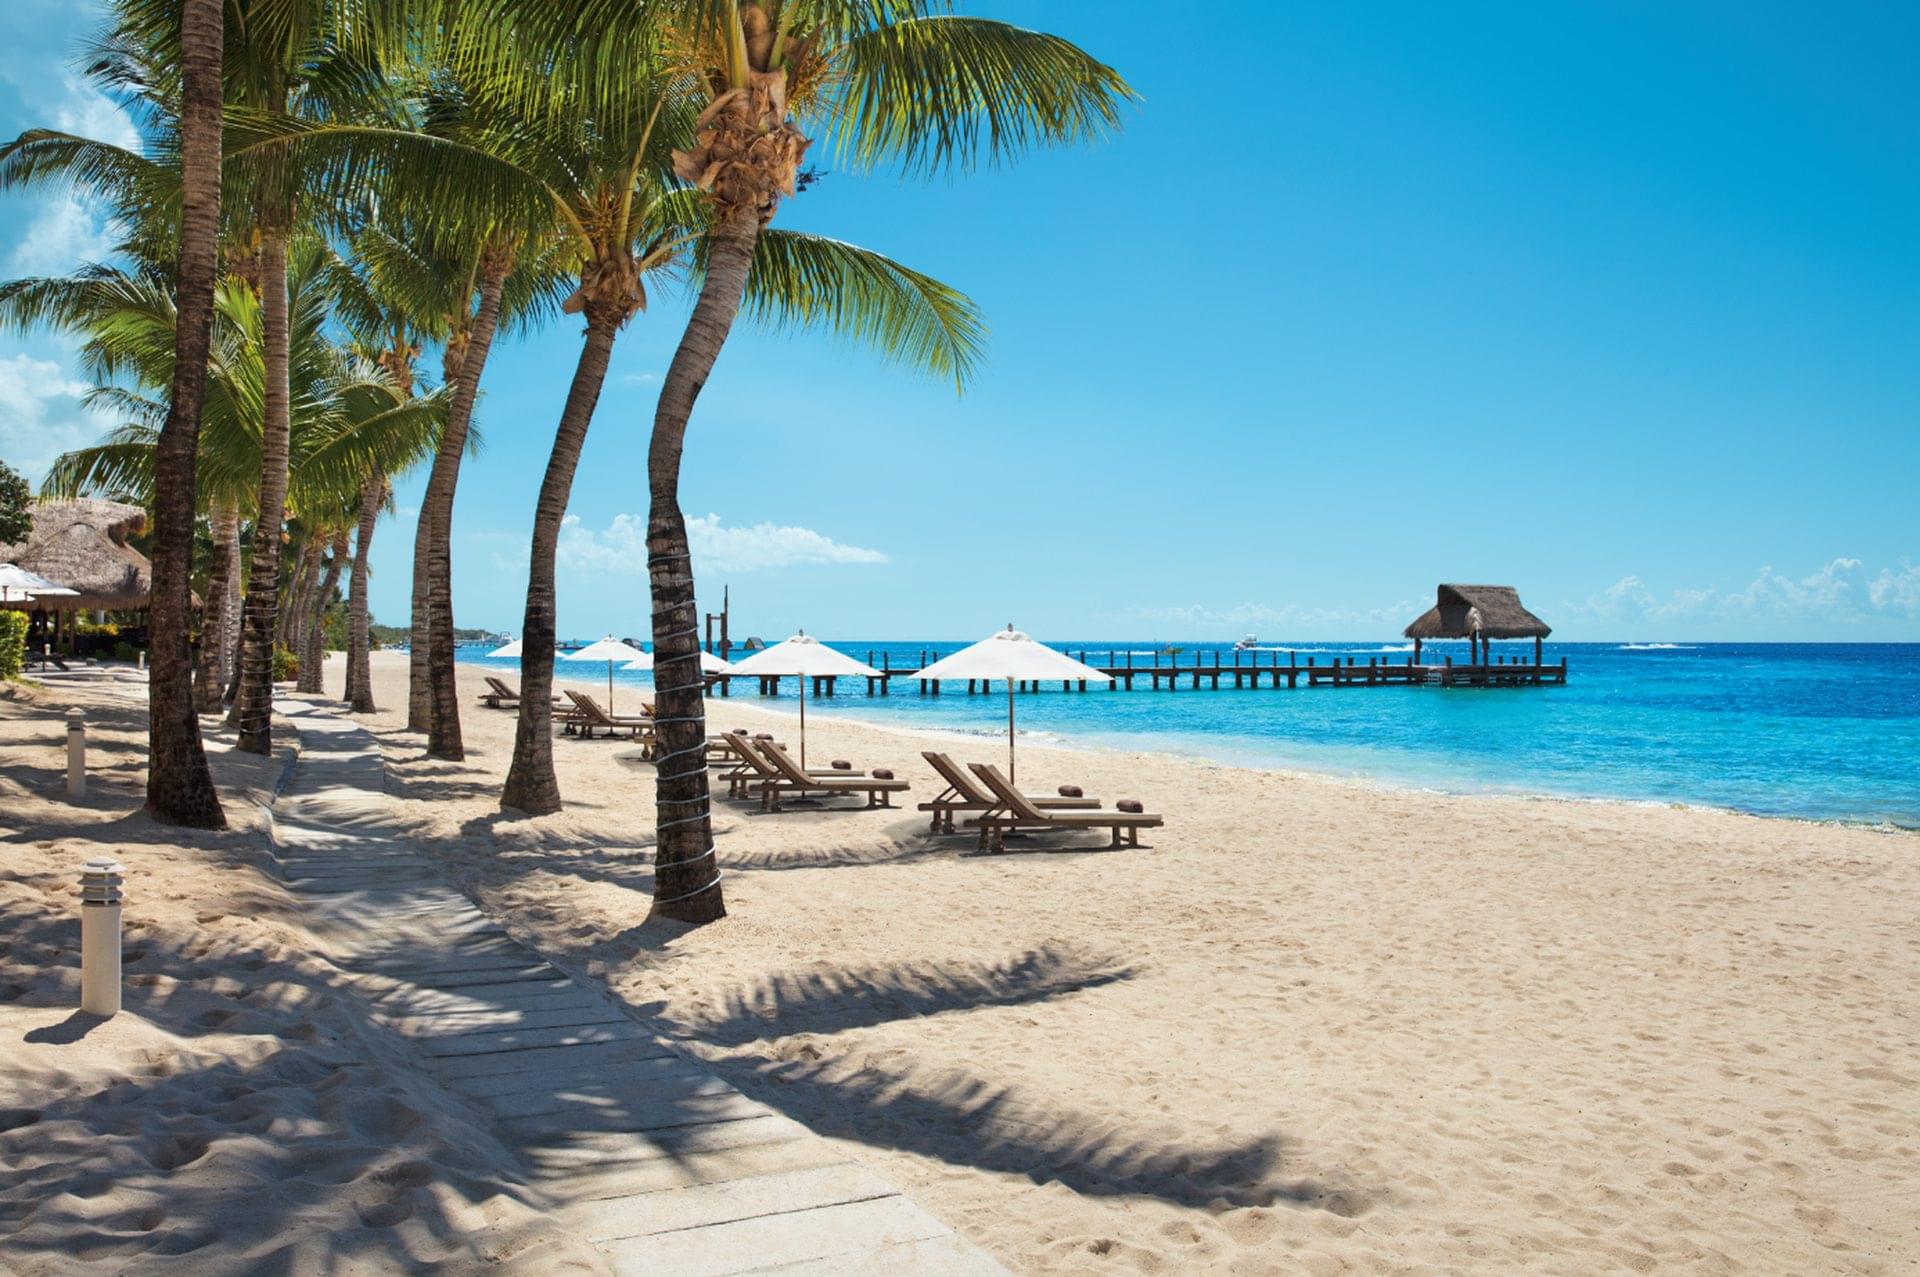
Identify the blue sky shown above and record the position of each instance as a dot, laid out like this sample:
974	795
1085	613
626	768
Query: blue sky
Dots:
1615	303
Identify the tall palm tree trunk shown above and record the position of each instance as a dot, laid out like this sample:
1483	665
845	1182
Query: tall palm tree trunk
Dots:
531	786
179	785
230	611
443	728
290	628
223	591
686	878
359	691
313	639
419	645
253	705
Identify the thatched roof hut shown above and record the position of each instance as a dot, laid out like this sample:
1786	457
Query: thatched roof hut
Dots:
83	545
1479	614
1489	611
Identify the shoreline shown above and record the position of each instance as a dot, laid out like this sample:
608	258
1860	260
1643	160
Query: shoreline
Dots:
1075	742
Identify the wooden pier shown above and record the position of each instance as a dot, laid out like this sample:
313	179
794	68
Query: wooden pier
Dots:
1211	671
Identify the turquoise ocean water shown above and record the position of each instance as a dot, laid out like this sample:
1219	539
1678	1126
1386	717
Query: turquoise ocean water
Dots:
1815	731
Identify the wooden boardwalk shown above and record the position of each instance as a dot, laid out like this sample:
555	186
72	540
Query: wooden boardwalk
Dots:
643	1152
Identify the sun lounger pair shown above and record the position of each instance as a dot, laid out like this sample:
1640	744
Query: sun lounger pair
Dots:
1003	809
768	770
501	695
587	718
966	794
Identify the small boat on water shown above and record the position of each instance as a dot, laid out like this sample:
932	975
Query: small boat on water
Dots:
1247	644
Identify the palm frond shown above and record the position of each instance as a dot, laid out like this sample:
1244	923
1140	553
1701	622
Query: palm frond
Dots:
940	93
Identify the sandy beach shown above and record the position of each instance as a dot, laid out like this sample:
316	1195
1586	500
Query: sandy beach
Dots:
243	1114
1317	1026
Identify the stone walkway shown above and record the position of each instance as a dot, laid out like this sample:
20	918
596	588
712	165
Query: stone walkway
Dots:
646	1153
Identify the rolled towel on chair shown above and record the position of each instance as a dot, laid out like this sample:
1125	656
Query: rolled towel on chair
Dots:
1071	791
1133	805
842	765
883	773
763	735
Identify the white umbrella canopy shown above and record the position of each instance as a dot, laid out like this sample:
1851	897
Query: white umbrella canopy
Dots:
610	649
709	664
807	657
1011	655
511	650
16	581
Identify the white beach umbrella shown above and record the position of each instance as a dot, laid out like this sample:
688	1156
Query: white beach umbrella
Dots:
511	651
1012	656
709	664
609	649
17	582
807	657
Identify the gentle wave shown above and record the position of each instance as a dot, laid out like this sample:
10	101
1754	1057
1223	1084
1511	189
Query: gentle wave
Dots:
1658	647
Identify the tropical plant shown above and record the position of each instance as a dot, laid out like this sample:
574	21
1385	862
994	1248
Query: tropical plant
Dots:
16	506
890	83
13	643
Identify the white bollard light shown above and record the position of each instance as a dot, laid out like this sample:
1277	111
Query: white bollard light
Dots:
100	937
140	659
76	753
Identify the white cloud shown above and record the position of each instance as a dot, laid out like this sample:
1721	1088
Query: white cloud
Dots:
61	236
41	415
90	113
1839	591
641	378
65	232
621	548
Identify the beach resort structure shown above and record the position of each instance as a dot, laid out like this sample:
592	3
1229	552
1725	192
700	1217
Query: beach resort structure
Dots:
82	544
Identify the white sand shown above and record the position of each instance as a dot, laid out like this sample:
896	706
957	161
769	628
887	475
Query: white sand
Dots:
1318	1026
242	1115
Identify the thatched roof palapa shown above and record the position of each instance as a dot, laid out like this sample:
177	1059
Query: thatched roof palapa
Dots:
83	545
1491	611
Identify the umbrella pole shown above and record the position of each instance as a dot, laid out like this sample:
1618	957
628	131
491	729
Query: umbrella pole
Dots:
1010	772
609	687
803	722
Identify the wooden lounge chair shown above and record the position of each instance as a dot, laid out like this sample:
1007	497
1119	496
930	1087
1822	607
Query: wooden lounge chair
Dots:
502	696
792	782
964	793
749	767
1016	811
587	717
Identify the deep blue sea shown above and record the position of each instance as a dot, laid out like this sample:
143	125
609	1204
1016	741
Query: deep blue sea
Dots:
1814	731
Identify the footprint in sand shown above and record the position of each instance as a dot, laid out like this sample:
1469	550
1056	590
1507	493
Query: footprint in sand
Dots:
179	1150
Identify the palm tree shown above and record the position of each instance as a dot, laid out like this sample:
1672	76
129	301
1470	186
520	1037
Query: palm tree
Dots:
621	222
927	92
349	418
179	785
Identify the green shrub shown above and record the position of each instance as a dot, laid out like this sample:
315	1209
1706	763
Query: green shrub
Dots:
125	651
13	643
105	629
286	666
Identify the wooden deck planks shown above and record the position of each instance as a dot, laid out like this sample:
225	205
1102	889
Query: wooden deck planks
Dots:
644	1152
